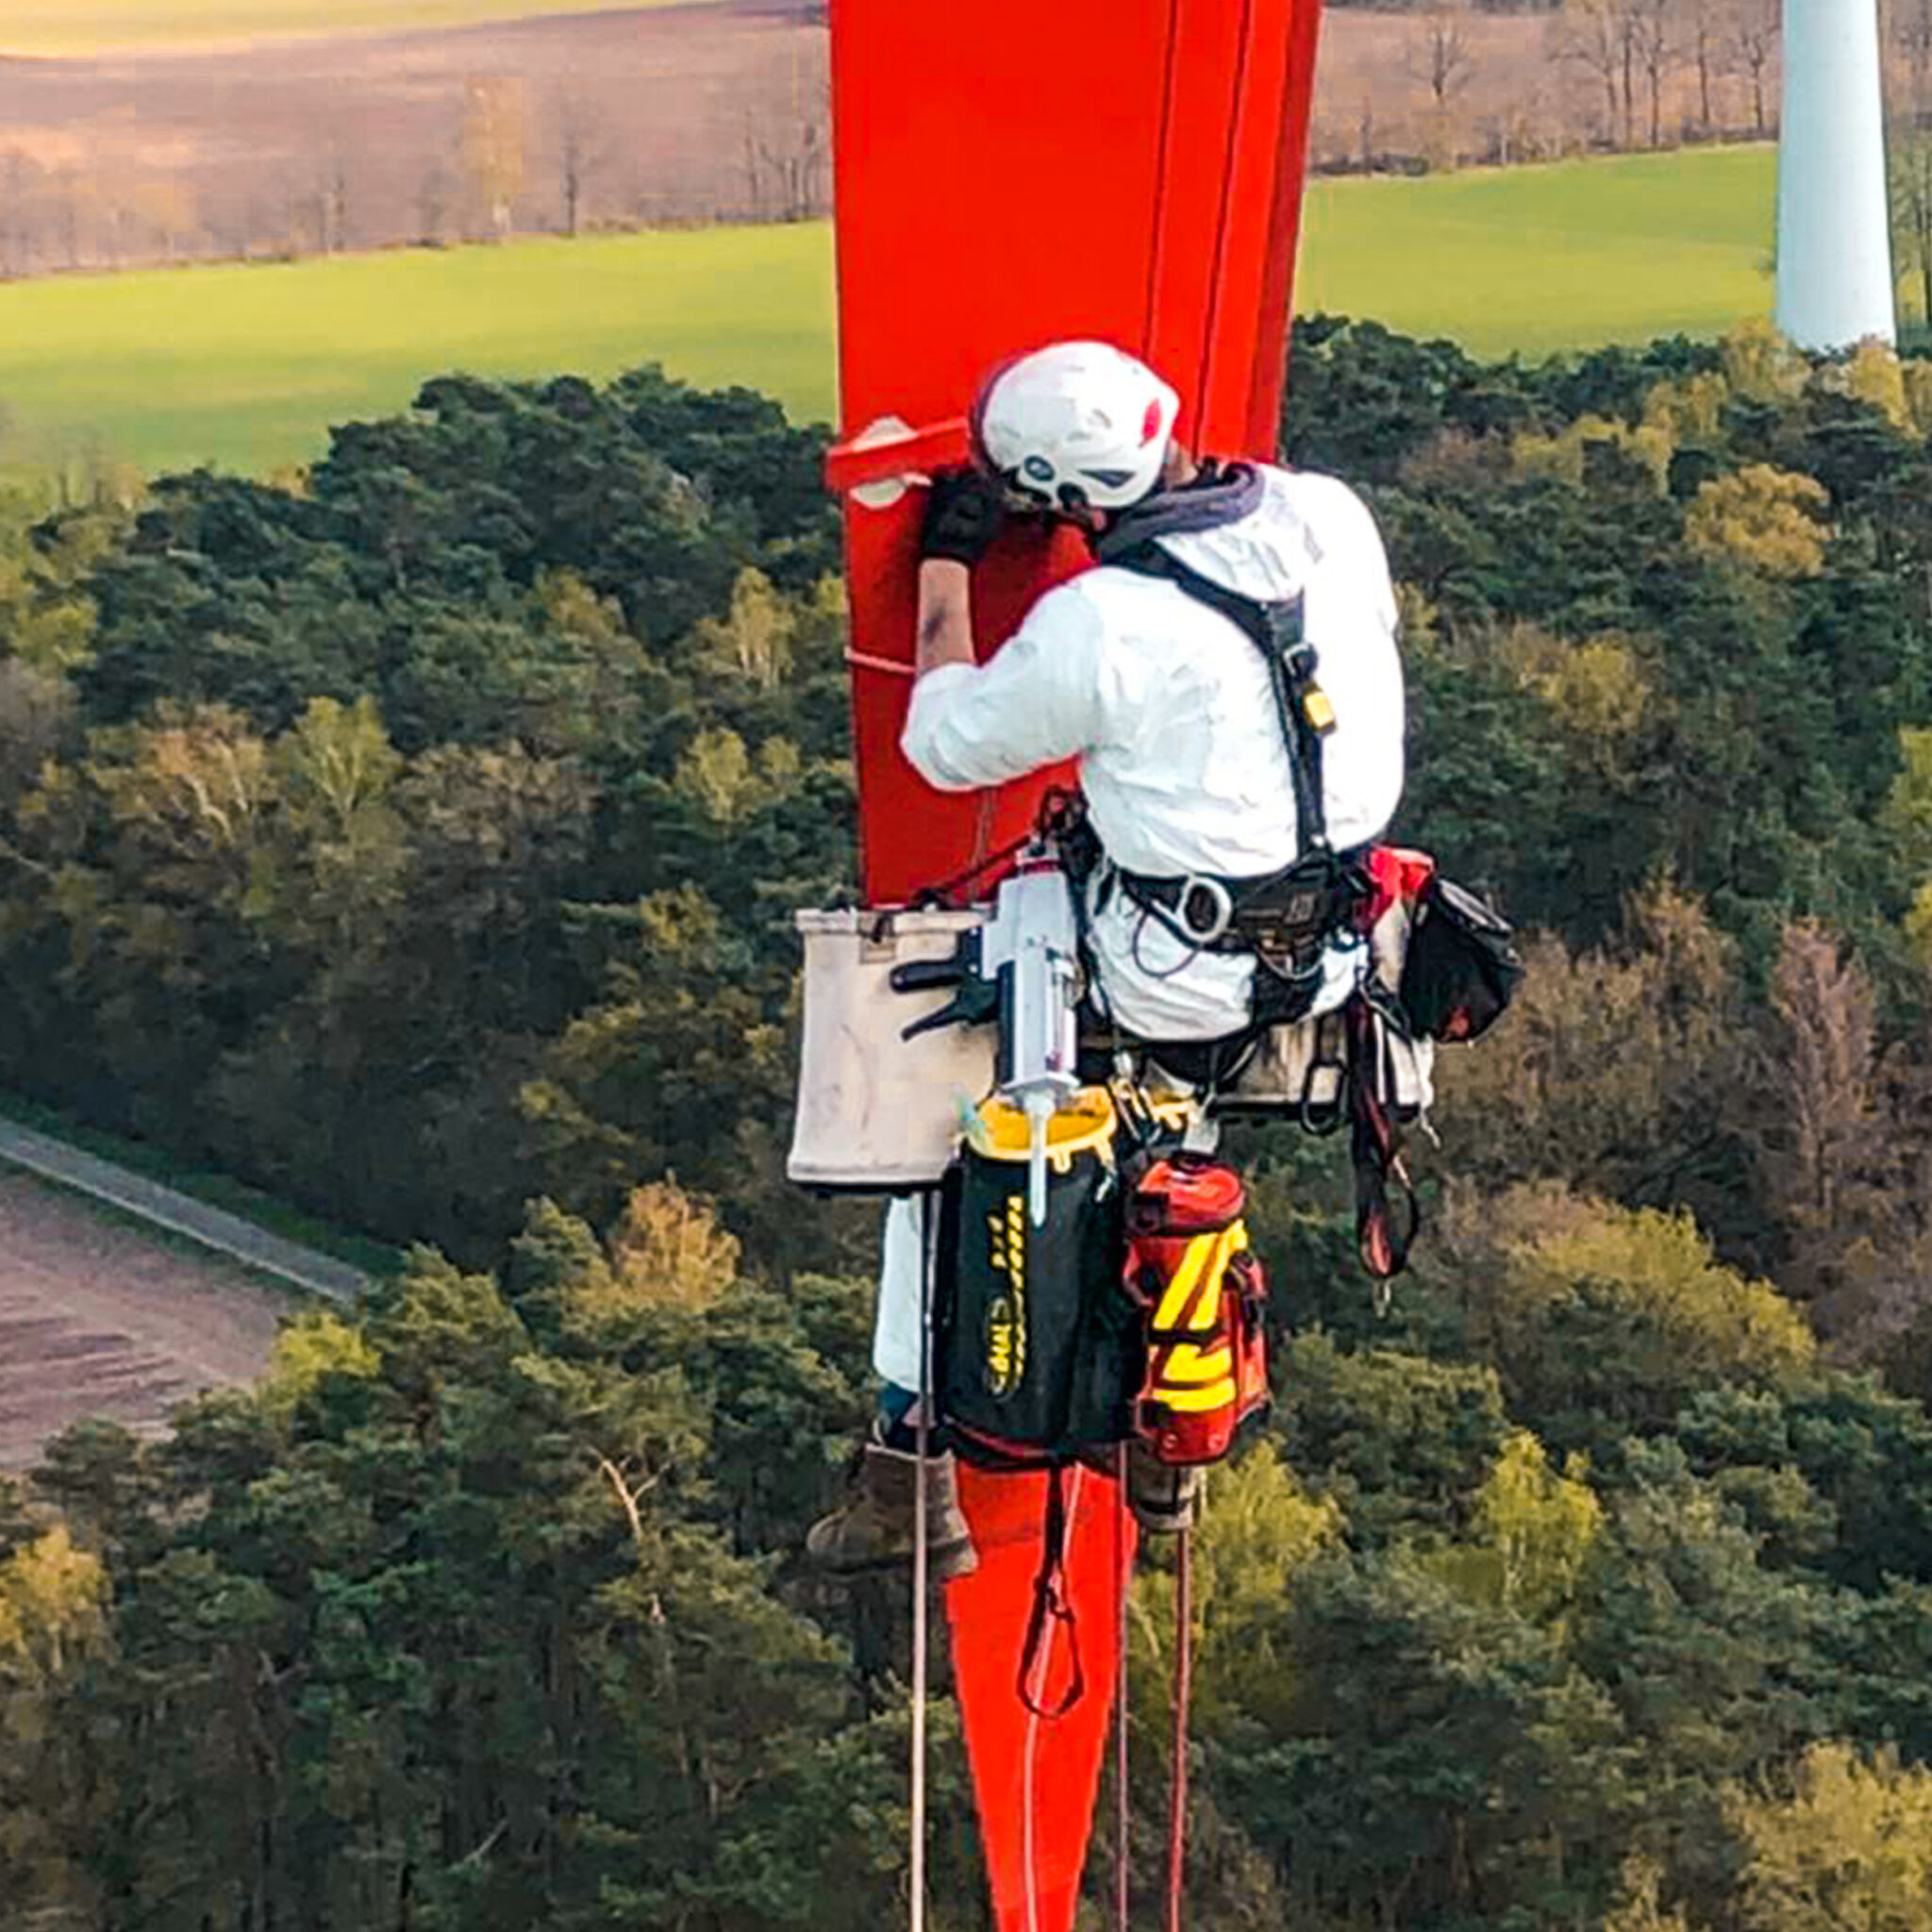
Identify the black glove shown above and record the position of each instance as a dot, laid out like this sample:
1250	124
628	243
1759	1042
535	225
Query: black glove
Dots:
964	511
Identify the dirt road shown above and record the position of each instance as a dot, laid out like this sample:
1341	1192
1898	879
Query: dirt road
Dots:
99	1320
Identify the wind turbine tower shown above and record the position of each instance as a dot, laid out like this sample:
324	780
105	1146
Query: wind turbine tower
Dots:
1835	283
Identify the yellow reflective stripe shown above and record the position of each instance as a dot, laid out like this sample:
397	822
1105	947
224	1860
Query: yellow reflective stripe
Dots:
1188	1364
1207	1309
1201	1269
1193	1401
1198	1278
1207	1300
1185	1277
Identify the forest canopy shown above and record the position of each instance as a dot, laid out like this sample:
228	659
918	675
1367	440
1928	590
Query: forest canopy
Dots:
418	839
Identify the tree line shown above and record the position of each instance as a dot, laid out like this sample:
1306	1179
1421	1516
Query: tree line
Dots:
467	154
1497	85
556	150
420	841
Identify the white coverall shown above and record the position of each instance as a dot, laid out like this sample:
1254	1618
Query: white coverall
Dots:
1169	707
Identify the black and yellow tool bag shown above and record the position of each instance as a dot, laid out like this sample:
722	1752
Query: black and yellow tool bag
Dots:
1039	1352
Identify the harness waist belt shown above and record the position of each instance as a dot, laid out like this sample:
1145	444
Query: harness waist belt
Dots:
1285	919
1202	906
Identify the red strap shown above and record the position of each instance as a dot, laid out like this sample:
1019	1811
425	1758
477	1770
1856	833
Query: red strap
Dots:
1051	1606
1383	1247
1394	872
1122	1813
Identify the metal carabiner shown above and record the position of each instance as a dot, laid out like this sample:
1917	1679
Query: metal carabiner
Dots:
1221	915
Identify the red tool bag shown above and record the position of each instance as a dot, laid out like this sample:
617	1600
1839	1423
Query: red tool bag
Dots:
1190	1268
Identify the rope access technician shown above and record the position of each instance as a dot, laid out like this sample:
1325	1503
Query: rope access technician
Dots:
1226	807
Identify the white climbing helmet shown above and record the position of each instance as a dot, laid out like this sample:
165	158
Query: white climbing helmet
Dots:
1076	423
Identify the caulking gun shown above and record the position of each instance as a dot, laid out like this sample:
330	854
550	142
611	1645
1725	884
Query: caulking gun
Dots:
1021	968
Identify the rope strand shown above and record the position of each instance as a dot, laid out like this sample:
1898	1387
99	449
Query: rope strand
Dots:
921	1564
1183	1685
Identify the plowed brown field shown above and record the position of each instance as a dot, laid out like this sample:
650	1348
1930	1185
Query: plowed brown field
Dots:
366	141
679	114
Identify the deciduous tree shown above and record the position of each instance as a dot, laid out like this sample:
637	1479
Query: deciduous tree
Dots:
1752	34
1823	1146
491	148
1846	1841
1766	519
1911	211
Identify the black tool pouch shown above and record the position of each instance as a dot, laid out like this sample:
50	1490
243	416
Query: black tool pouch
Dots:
1462	968
1039	1352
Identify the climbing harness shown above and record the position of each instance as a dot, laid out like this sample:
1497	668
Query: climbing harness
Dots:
1283	920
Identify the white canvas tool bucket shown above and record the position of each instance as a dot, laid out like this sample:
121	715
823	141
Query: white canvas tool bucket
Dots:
877	1113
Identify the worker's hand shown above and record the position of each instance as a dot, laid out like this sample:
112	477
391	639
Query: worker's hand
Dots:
964	511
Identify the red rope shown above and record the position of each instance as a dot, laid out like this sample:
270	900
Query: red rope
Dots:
1183	1685
1062	812
1121	1576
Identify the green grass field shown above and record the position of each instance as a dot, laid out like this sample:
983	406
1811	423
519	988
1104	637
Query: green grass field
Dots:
1536	260
245	367
90	27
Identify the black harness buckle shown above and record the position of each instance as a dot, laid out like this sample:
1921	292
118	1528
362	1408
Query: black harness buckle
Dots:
1288	921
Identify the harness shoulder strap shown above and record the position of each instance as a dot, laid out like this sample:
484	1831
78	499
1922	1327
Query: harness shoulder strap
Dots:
1276	630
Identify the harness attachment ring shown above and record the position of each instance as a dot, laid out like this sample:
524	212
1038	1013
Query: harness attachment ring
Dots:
1220	903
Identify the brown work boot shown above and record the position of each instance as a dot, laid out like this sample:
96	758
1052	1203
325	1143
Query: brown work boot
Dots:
1164	1499
873	1531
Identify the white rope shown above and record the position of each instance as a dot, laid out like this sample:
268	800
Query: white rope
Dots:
921	1562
